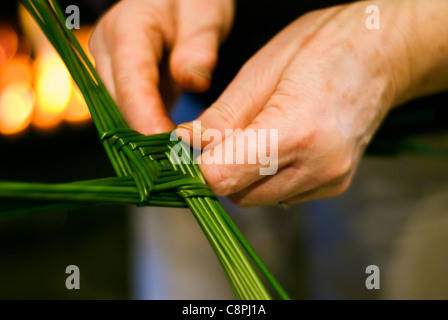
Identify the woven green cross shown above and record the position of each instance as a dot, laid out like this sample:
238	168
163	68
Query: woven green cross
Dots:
149	171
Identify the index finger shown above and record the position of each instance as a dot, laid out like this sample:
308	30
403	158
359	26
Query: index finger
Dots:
134	51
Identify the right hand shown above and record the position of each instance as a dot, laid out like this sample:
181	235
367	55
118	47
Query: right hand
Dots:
129	43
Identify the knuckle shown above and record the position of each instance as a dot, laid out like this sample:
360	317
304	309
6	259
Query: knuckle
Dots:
287	88
94	41
124	90
305	138
224	114
339	171
340	188
109	21
343	186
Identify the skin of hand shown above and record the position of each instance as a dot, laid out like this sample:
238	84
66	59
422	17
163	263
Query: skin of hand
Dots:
146	51
325	82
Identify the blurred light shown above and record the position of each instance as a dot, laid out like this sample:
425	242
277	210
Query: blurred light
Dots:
53	89
83	36
31	30
2	56
45	121
8	41
77	110
16	108
37	90
16	70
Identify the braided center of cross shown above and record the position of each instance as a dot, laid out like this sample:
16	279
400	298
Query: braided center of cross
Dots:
161	174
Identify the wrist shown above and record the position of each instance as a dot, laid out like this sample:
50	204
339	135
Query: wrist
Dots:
417	46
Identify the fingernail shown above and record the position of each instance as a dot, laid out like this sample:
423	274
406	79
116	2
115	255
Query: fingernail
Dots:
197	70
187	125
197	127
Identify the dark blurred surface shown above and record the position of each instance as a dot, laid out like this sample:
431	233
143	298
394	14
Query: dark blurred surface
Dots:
35	250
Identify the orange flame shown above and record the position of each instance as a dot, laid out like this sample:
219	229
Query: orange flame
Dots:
16	108
9	42
16	70
43	95
53	89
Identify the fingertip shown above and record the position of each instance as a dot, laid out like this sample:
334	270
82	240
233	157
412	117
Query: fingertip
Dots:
162	126
146	119
223	178
184	132
214	176
149	127
186	125
195	134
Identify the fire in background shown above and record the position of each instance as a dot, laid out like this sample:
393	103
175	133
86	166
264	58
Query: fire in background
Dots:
36	88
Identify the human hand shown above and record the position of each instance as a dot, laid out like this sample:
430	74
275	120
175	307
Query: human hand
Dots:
129	43
325	83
